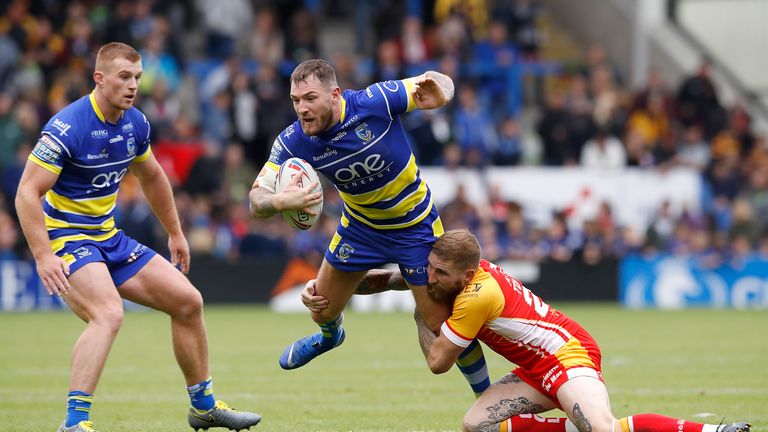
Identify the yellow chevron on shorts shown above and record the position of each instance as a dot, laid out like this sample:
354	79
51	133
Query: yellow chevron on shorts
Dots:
334	242
573	354
49	167
68	258
51	223
58	244
389	190
99	206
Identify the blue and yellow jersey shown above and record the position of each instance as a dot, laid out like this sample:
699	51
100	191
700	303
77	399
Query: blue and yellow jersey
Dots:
90	156
367	157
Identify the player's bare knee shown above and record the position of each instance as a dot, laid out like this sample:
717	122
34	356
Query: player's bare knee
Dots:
109	318
190	307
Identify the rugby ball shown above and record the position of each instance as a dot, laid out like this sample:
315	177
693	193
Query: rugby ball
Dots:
288	170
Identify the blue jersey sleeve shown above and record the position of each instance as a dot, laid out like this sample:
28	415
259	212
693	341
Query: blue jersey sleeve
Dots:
55	144
283	148
143	149
390	97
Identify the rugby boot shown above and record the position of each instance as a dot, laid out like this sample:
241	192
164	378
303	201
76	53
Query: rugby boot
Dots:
221	415
83	426
304	350
735	427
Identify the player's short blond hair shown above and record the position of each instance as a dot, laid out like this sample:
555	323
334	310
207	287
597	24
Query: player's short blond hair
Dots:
114	50
459	247
318	68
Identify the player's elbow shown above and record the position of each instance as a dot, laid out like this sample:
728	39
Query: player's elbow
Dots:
438	365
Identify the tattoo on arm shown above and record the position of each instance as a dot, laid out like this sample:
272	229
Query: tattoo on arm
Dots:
261	204
426	336
377	281
580	420
444	81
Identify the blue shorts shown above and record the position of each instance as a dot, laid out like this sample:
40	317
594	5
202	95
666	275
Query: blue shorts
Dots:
358	247
123	255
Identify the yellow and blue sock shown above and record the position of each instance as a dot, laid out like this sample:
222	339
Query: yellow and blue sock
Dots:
78	407
201	395
471	363
332	330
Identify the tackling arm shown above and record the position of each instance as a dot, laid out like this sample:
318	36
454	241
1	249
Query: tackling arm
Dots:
439	352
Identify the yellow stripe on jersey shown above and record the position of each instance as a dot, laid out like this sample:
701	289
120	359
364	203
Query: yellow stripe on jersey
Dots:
144	156
58	244
389	190
52	168
96	109
410	83
272	166
412	222
573	354
404	206
100	206
51	223
343	110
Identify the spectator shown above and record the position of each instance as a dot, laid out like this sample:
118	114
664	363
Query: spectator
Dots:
604	152
473	128
698	103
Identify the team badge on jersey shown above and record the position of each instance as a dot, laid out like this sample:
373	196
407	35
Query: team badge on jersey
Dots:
344	252
364	133
131	145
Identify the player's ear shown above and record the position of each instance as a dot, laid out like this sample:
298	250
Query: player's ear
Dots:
468	275
98	77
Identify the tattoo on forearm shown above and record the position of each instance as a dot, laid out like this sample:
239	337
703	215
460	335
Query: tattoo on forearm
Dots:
379	281
505	409
426	336
580	420
509	378
261	204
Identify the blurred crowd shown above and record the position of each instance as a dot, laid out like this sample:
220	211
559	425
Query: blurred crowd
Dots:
215	89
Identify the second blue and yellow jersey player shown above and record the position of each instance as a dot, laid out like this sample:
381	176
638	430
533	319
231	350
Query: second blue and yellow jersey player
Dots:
367	156
357	141
91	156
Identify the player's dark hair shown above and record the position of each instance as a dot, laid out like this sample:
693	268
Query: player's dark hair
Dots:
318	68
459	247
113	50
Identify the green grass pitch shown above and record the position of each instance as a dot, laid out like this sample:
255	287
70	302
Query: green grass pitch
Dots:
701	365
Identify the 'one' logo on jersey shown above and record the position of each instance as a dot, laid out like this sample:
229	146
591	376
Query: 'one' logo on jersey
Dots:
364	133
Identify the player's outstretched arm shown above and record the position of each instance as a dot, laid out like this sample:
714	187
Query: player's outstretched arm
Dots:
264	203
157	189
35	182
432	90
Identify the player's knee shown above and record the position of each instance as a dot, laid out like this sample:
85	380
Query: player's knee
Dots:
191	305
595	424
110	318
472	420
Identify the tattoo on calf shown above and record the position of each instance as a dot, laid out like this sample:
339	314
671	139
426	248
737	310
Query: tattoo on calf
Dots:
483	427
507	408
580	420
